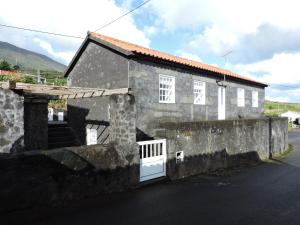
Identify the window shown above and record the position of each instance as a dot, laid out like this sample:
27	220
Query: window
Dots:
199	92
240	97
91	136
166	89
254	99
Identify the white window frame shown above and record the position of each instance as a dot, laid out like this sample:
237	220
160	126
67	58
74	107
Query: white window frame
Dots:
255	99
166	89
241	97
199	92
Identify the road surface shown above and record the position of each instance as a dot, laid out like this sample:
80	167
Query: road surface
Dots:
268	193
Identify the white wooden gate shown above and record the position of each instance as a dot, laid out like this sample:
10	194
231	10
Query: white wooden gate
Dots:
153	157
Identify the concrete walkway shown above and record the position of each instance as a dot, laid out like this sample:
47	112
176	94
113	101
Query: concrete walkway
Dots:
265	194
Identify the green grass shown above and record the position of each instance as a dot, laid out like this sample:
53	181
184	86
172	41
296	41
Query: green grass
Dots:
277	108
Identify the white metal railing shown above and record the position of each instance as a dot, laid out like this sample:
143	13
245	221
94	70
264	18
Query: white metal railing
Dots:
152	148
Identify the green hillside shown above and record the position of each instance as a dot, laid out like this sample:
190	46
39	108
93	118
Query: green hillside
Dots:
28	60
276	108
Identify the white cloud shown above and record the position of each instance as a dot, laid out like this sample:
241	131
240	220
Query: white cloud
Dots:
213	39
66	56
190	56
282	69
280	94
68	17
217	26
262	35
243	16
150	30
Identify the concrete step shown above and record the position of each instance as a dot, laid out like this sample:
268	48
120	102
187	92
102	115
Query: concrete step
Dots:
59	132
61	144
69	138
60	135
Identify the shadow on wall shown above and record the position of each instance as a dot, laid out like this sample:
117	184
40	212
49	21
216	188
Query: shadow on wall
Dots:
78	120
18	145
196	164
102	129
55	177
142	136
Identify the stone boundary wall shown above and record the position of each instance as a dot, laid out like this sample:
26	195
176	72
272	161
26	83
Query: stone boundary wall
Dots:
278	135
56	177
11	122
209	145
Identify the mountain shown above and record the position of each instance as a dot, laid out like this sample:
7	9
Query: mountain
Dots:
27	59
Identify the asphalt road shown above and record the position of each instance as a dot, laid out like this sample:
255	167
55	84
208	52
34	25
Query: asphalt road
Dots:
268	193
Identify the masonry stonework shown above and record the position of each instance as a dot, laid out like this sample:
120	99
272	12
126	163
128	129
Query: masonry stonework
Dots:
102	67
144	82
210	145
98	67
55	177
11	122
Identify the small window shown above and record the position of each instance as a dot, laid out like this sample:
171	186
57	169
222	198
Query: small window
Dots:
254	99
91	136
199	92
240	97
166	89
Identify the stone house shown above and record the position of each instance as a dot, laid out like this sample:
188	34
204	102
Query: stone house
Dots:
166	88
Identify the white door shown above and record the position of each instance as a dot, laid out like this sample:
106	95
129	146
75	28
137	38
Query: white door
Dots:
152	159
221	103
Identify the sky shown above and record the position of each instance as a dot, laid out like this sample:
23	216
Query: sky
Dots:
260	37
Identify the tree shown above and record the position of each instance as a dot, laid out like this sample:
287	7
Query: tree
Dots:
16	67
4	65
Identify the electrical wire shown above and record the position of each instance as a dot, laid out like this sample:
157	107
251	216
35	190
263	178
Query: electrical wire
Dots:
120	17
41	31
73	36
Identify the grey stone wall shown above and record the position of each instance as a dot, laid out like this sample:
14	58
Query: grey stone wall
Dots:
98	67
279	135
209	145
122	119
144	82
11	122
103	68
54	177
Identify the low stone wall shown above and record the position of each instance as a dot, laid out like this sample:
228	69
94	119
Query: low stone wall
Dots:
279	135
11	122
209	145
38	178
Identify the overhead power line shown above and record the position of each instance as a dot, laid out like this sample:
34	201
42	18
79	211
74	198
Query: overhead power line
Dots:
73	36
41	31
120	17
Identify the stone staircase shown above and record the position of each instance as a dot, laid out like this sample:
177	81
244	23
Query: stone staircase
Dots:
60	135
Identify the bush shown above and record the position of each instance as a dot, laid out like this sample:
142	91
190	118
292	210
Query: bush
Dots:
4	65
28	79
60	82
